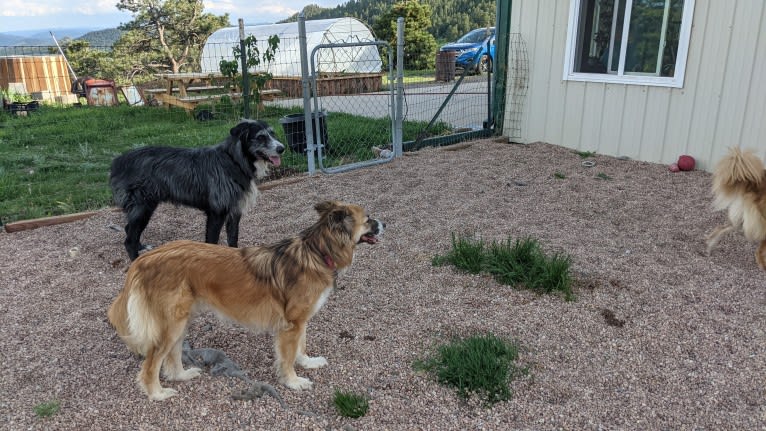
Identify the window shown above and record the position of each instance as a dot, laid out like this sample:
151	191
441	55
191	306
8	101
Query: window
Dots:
628	41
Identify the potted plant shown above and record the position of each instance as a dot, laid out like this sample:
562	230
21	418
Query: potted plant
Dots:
18	102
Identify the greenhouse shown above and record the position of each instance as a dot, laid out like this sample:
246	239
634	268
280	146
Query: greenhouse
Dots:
341	60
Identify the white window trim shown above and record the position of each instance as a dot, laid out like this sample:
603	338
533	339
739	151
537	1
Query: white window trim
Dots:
676	81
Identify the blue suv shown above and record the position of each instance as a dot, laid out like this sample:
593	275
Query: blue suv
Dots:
473	45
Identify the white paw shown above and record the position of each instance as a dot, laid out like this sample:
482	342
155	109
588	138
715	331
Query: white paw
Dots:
309	362
187	374
298	383
163	394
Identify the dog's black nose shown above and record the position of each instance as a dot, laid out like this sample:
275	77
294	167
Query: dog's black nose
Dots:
280	149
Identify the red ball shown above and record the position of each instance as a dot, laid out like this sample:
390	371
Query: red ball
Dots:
686	163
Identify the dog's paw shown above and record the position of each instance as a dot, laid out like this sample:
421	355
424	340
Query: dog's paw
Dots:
309	362
298	383
163	394
186	374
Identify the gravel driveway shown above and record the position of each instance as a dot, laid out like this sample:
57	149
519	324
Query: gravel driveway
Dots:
661	336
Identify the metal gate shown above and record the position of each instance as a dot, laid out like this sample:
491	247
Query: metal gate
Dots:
349	96
368	120
362	110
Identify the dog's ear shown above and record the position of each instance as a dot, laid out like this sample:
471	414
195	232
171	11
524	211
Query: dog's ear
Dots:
338	215
241	131
325	207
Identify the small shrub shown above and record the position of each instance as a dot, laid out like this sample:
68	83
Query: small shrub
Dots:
350	405
481	365
45	410
559	175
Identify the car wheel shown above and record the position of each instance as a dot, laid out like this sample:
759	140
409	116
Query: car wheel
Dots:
485	65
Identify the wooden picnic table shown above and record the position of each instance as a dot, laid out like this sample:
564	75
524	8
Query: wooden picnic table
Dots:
183	80
177	87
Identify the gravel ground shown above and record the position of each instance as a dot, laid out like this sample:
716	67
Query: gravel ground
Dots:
661	336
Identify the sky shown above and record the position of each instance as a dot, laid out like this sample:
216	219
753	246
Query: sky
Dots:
19	15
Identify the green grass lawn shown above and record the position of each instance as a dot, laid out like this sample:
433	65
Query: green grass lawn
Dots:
56	160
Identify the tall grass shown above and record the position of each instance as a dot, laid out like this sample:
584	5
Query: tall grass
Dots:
518	263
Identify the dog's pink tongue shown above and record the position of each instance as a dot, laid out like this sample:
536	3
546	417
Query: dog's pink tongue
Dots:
275	160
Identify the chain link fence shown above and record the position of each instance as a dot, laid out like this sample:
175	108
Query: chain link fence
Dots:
358	98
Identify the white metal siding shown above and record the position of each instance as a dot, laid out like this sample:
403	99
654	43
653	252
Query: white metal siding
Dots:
722	102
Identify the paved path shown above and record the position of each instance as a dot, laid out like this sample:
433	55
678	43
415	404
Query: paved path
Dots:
466	109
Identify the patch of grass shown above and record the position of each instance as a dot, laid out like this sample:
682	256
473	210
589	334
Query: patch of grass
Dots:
350	405
524	263
585	154
466	255
603	176
63	154
483	365
559	175
516	263
46	410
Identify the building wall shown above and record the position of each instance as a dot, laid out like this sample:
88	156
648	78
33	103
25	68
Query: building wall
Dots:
722	102
45	77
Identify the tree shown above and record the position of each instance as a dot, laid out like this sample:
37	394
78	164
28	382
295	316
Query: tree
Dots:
253	59
419	44
168	34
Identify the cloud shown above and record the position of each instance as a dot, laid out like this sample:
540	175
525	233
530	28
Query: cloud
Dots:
240	8
95	7
20	8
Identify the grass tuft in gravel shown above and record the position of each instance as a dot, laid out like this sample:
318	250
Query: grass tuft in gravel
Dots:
516	263
466	254
350	405
603	176
45	410
585	154
481	365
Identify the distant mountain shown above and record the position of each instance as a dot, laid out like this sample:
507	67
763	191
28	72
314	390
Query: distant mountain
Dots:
102	38
40	38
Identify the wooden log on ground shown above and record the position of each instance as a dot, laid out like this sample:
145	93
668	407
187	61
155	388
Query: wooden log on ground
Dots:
46	221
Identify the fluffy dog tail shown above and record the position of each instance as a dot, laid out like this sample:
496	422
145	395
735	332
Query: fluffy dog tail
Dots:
738	173
131	316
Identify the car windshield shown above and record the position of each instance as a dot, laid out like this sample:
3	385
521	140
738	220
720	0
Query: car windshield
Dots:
476	36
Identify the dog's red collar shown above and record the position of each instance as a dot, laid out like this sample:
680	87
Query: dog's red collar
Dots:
329	262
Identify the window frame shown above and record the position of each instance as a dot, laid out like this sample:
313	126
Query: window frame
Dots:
677	81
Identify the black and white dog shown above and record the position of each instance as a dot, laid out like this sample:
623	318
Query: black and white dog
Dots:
219	180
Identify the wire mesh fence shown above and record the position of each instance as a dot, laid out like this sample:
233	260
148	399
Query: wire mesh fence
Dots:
518	84
84	119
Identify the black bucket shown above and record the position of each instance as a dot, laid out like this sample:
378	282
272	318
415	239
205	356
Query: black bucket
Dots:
295	130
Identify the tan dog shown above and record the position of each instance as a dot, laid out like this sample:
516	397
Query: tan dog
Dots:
276	288
739	186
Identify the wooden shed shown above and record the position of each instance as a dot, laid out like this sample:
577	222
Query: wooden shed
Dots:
45	77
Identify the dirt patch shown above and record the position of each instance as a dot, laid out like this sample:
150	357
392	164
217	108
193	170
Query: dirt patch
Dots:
661	336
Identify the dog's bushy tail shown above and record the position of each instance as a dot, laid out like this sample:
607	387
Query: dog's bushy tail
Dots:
131	316
739	167
739	172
